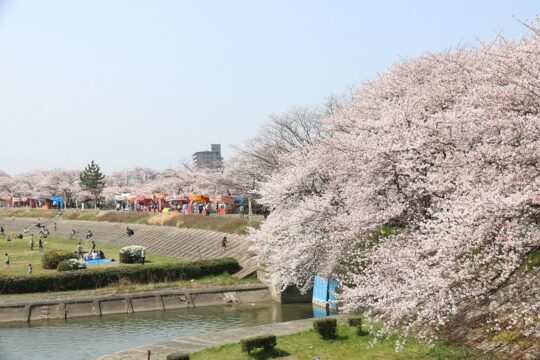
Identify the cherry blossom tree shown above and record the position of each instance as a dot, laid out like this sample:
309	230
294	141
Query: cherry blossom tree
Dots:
443	150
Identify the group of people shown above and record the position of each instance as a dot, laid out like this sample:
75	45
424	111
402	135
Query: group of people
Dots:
93	254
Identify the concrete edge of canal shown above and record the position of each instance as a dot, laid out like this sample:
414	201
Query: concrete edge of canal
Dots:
188	344
100	305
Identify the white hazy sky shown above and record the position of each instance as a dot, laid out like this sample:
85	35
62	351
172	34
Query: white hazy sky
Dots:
130	82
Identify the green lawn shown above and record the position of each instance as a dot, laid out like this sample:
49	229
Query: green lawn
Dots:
21	255
347	346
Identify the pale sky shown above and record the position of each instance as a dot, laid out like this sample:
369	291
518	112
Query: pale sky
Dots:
147	83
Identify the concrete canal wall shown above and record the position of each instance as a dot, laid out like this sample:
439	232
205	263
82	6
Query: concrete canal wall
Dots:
132	303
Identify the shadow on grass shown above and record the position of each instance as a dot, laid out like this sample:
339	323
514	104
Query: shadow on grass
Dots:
272	354
362	333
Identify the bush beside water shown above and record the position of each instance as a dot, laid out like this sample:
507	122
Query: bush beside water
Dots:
266	342
92	279
326	328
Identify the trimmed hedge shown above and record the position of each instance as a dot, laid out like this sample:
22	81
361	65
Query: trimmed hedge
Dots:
92	279
267	342
70	265
355	322
178	356
326	328
51	259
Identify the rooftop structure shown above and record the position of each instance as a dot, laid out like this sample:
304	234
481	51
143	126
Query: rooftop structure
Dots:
208	159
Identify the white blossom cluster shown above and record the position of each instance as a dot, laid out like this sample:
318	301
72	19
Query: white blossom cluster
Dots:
443	151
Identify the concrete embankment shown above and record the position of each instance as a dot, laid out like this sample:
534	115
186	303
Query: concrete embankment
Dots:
187	344
131	302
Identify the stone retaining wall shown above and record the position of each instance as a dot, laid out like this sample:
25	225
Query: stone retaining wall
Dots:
132	303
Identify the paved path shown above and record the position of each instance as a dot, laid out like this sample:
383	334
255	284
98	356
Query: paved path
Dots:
189	244
188	344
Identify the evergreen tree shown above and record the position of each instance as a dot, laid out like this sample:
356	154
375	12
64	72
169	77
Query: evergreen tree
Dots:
93	181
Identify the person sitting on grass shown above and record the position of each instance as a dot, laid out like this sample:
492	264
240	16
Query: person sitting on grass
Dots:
129	231
89	234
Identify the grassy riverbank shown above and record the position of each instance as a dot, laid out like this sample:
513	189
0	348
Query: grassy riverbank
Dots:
347	346
21	255
232	224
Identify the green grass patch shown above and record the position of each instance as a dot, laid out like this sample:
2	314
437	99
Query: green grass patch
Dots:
348	345
21	255
533	260
26	212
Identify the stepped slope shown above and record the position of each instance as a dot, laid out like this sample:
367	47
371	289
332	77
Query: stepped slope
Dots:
189	244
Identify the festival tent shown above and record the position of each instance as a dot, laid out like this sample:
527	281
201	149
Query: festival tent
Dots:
173	201
6	201
239	200
225	204
54	200
29	202
197	198
160	199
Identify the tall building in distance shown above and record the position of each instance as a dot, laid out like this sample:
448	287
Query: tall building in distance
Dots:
209	159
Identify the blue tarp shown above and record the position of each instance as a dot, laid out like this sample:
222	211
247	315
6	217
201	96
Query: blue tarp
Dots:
98	261
59	200
239	200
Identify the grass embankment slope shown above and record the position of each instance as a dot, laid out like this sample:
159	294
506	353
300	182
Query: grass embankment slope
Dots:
232	224
348	345
21	255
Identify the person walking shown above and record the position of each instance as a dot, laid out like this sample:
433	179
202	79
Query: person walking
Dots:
143	255
93	245
40	244
1	230
29	269
7	261
79	250
31	241
223	246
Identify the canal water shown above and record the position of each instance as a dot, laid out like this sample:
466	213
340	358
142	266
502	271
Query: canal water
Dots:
89	337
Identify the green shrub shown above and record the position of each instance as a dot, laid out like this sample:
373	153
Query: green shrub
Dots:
51	259
326	328
71	264
97	278
267	342
178	356
355	322
131	254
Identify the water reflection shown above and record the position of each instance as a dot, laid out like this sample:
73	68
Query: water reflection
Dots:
88	337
